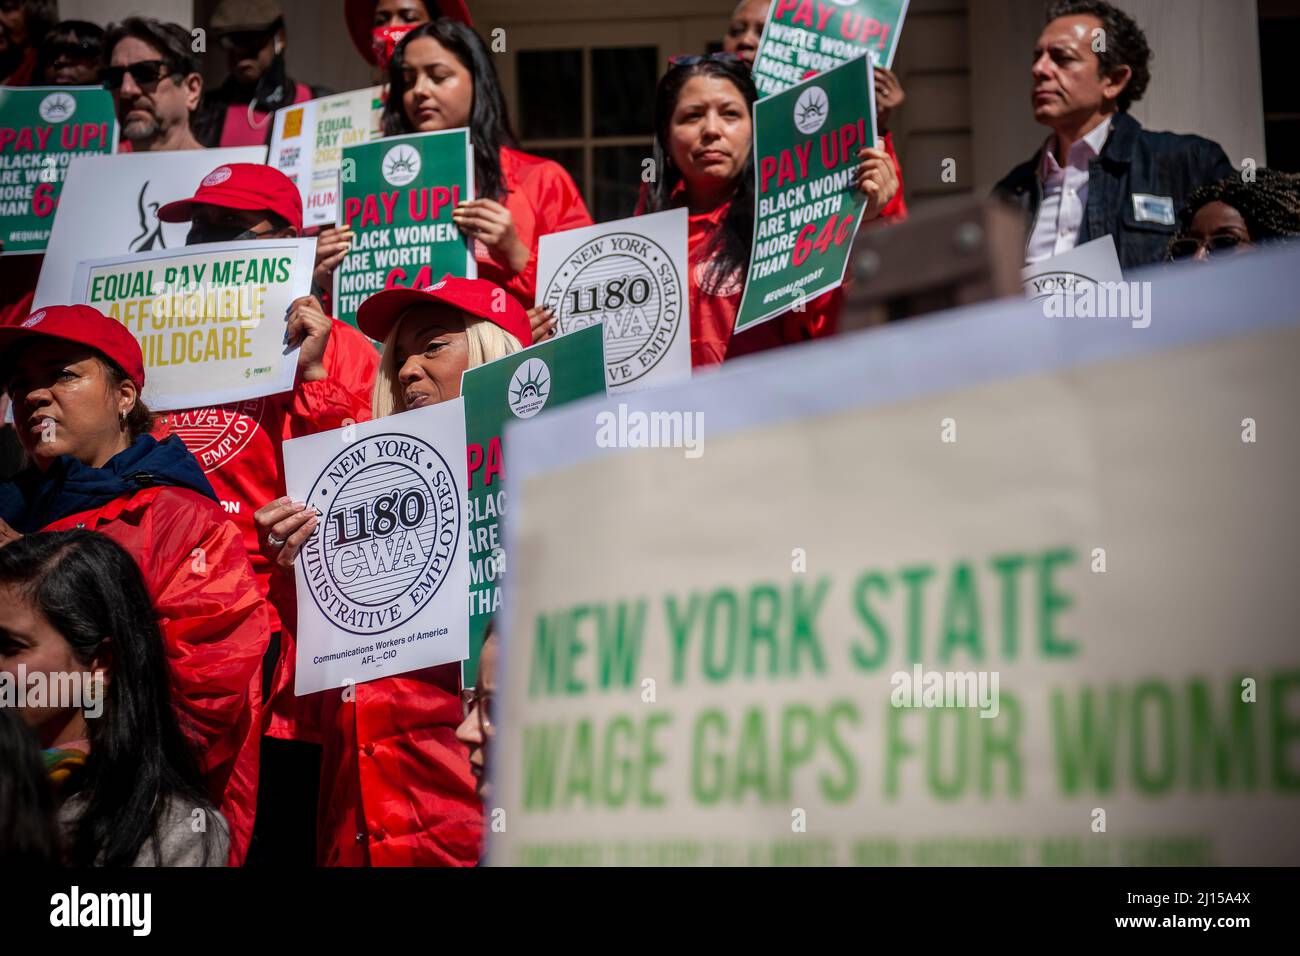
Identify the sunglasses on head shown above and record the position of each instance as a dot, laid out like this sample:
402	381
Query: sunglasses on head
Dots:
1216	247
693	59
145	73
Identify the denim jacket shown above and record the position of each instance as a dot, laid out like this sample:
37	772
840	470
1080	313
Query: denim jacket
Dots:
1135	187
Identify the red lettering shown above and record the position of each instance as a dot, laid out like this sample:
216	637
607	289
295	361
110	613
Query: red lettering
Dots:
441	197
783	6
803	152
351	209
389	200
475	454
804	14
823	14
495	465
766	169
7	136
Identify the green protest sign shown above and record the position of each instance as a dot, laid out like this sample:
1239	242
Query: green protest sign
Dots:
804	35
397	195
42	129
807	202
516	387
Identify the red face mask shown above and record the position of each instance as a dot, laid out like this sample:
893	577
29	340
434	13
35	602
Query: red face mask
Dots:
384	40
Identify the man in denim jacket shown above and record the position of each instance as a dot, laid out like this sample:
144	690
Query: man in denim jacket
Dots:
1100	172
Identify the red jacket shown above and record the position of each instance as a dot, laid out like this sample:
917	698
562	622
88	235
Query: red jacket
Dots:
542	199
214	629
396	789
238	445
714	304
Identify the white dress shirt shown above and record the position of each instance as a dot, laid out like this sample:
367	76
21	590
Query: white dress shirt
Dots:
1065	196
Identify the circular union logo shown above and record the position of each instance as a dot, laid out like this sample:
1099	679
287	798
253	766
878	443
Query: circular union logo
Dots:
529	388
217	176
33	319
811	109
401	164
630	283
390	524
217	435
57	107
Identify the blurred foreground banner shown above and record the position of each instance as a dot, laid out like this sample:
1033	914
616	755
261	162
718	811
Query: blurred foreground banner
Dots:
985	589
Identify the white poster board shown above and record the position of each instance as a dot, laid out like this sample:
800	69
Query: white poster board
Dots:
110	204
1091	264
210	319
307	143
383	584
632	275
1093	521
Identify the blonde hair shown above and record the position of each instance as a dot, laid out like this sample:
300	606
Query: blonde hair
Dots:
485	340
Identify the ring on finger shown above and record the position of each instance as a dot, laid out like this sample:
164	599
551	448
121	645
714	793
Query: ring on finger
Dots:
275	542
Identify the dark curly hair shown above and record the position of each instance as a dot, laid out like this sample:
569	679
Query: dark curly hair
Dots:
1126	44
1270	205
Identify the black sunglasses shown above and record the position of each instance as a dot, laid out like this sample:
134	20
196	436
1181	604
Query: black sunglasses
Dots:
1216	247
145	73
693	59
72	49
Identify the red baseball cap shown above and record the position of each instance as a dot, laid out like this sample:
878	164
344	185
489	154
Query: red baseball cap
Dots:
83	325
479	297
360	17
242	186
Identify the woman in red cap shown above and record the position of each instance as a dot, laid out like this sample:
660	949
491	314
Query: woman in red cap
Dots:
442	77
74	377
396	785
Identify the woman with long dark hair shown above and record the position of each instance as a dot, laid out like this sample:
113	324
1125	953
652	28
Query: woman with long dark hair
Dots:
703	153
27	835
441	77
74	610
74	377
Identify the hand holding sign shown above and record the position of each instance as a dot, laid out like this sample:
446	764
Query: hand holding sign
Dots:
491	224
877	179
542	320
309	327
283	527
332	244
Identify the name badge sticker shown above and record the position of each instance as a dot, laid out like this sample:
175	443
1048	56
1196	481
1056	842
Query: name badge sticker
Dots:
1148	208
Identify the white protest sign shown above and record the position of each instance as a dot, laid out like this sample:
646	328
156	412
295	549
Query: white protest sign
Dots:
307	143
1092	264
383	583
996	591
631	274
110	206
210	319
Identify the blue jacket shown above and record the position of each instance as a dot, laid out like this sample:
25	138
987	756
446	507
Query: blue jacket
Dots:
33	500
1134	162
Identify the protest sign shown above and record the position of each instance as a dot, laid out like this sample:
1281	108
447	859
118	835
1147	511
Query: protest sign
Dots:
42	129
381	583
1091	264
631	275
819	35
519	386
210	319
955	604
95	221
807	202
307	143
399	204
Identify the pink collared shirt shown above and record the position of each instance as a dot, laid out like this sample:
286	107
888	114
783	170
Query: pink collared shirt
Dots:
1065	196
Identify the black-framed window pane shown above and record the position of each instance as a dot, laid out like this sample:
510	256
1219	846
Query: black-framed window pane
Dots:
617	170
550	93
623	90
570	157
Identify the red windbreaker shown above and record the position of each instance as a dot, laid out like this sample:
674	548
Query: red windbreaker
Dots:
214	630
542	199
714	304
238	445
